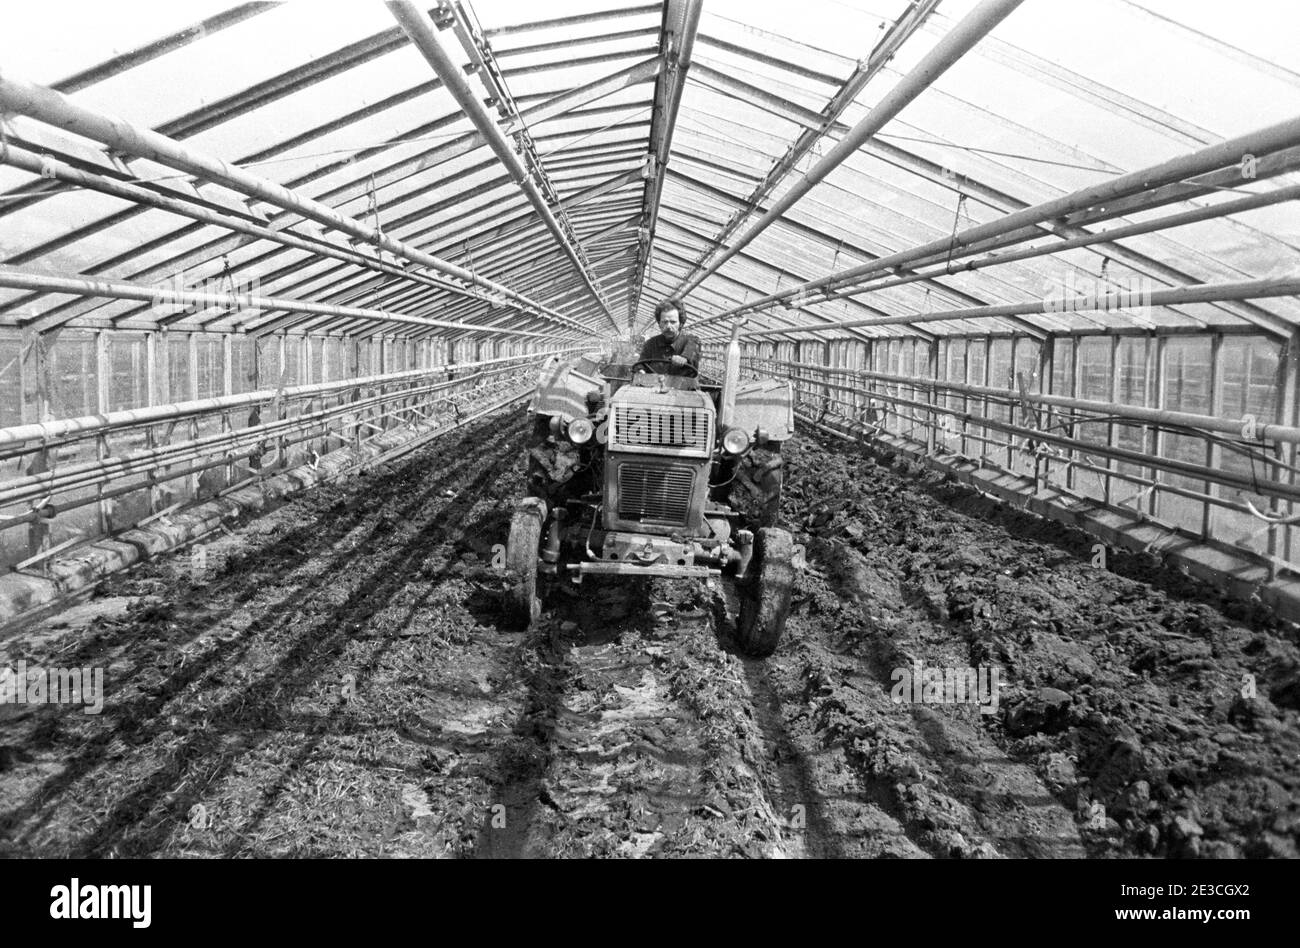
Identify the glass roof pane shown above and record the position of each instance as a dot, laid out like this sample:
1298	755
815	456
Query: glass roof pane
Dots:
102	32
1023	118
226	62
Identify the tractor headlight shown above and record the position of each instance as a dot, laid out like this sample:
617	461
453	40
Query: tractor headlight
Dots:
735	441
581	430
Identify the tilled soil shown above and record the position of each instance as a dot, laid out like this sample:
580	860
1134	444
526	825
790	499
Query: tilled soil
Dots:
343	685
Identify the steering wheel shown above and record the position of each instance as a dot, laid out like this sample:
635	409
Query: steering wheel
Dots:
695	372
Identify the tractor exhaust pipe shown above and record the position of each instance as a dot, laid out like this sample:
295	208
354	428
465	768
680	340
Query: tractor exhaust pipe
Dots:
730	376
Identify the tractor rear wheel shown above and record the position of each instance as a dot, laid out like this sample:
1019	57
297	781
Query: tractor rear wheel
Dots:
522	607
766	591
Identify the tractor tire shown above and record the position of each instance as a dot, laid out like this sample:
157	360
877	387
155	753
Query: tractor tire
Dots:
765	593
757	490
521	604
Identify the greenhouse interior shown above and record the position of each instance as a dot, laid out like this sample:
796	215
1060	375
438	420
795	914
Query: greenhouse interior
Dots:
1040	256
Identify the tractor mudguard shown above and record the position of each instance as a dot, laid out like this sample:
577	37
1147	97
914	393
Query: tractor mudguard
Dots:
766	405
563	387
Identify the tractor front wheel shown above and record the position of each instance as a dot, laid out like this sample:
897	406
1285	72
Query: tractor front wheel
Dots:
522	607
765	593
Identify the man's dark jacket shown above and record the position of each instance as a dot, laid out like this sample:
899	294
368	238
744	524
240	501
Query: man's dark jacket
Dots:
657	347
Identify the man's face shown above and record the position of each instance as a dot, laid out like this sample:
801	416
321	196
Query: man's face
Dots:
669	323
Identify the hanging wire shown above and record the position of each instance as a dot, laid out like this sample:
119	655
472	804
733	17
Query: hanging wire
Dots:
372	210
1001	154
952	239
227	278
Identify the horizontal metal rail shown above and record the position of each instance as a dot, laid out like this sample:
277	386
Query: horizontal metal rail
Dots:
134	465
1262	486
1046	444
23	488
1135	413
21	279
181	410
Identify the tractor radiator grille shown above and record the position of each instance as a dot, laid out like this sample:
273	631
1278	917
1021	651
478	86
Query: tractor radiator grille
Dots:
655	493
640	426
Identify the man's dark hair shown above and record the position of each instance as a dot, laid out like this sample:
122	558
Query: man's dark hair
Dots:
672	304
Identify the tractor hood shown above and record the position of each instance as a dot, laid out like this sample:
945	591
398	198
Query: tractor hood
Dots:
672	422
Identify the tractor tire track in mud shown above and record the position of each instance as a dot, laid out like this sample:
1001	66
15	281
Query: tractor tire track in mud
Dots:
345	685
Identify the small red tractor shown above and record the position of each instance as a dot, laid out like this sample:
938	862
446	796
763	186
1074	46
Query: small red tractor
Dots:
637	473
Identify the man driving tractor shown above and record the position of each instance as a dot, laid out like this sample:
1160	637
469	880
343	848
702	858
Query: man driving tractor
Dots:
646	469
671	352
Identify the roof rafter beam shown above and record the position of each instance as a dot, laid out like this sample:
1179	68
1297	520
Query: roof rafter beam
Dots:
127	192
45	105
755	260
213	250
1073	236
801	228
1071	229
990	196
270	90
770	320
574	20
1200	293
532	179
1177	171
208	253
508	229
150	51
899	32
681	21
566	102
612	183
960	40
748	288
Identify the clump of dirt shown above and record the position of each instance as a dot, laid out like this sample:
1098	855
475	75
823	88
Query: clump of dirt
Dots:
1166	724
336	663
637	744
337	679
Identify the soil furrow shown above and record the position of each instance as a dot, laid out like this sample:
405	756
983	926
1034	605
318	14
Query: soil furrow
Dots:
340	682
